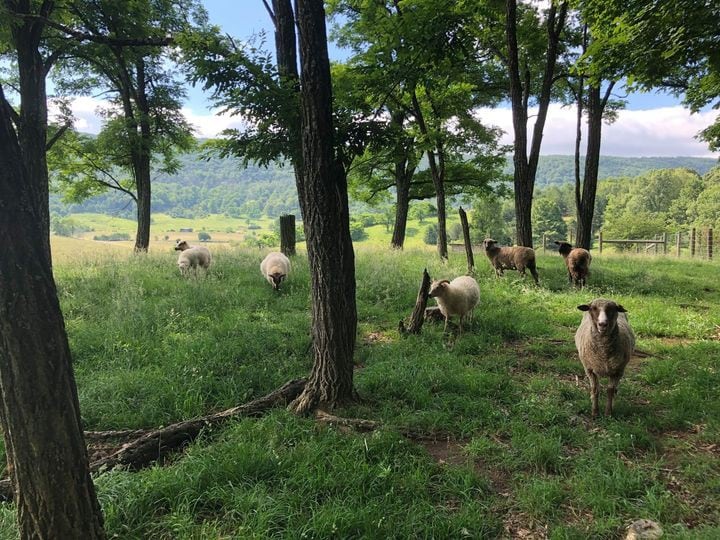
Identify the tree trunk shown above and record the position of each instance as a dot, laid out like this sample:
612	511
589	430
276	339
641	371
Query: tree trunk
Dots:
586	205
144	203
287	234
286	54
40	412
32	127
323	198
402	206
418	315
141	162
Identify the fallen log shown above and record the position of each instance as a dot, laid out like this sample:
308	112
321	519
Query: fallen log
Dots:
152	445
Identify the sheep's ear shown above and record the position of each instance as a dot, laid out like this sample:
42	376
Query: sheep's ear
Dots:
558	242
584	307
444	282
621	309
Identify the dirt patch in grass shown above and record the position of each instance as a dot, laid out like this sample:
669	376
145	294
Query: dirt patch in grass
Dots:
520	525
376	337
446	452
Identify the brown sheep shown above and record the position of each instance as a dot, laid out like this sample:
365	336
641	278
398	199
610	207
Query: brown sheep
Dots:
577	261
515	258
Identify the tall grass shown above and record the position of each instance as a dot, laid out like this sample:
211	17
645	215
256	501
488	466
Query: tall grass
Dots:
507	399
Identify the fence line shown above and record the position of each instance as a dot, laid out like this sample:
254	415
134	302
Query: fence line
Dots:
699	243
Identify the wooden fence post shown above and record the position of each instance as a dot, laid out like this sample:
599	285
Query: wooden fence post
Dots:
677	243
710	243
466	237
600	242
692	242
287	234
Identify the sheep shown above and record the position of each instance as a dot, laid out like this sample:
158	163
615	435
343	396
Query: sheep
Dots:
192	257
605	342
275	267
515	258
456	297
577	261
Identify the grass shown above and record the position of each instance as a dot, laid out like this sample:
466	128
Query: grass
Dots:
507	447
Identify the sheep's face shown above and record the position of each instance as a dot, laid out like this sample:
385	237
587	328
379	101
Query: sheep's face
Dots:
563	247
277	279
181	245
437	288
489	243
604	314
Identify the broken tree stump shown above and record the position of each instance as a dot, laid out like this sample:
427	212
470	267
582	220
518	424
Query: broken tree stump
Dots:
418	315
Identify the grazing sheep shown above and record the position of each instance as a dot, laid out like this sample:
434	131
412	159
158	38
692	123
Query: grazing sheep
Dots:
605	343
514	258
275	267
456	297
577	261
192	257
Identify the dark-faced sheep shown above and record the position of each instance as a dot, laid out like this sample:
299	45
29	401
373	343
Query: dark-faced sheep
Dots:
456	297
605	342
513	258
192	257
275	267
577	261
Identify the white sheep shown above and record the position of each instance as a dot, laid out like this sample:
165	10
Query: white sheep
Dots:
192	257
514	257
275	267
456	297
605	342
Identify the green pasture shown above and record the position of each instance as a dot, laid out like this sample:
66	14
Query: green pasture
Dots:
485	435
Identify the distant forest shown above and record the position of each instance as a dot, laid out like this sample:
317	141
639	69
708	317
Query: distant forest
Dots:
223	186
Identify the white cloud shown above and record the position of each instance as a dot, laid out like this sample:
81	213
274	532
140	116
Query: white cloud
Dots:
665	131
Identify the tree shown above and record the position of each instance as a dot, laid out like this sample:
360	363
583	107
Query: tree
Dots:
419	65
532	73
144	120
40	413
324	201
547	220
669	44
590	96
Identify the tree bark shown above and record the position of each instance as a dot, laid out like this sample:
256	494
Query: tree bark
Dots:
322	190
402	207
40	413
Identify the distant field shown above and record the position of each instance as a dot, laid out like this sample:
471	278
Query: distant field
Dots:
225	232
503	445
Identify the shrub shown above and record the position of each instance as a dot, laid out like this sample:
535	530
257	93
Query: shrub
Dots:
114	237
431	235
203	236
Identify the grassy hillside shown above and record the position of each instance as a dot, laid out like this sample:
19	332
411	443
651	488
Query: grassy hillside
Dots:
223	186
503	446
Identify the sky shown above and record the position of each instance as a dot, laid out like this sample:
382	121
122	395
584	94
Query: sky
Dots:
652	124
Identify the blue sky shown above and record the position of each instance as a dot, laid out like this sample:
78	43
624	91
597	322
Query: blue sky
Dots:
653	124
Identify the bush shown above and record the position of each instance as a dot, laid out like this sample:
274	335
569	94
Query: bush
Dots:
431	235
357	231
203	236
114	237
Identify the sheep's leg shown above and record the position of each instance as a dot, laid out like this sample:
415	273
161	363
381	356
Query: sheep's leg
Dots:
461	324
447	318
533	271
594	392
611	393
